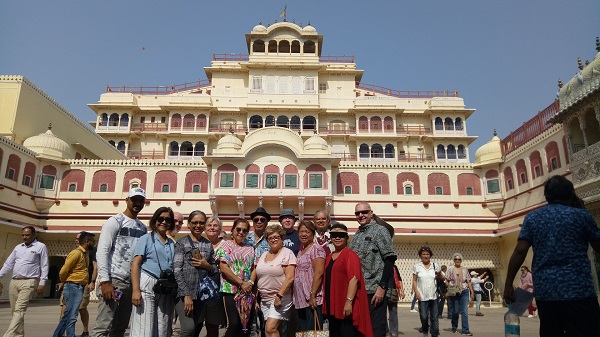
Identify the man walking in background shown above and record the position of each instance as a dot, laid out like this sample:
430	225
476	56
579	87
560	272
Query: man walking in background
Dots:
28	263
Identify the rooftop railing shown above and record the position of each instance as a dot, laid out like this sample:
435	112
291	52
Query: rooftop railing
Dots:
159	90
530	129
405	93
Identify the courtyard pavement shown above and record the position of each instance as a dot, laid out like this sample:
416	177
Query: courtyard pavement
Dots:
42	317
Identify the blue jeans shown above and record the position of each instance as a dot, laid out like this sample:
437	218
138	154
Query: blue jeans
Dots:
73	294
460	304
428	310
392	317
477	302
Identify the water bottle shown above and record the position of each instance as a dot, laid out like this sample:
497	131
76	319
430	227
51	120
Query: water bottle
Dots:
512	327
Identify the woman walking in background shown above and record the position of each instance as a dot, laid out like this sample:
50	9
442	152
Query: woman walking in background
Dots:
458	276
526	283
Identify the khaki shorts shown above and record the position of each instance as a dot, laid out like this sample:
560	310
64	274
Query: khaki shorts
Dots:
84	302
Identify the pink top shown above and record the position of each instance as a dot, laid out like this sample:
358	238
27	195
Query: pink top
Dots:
271	274
303	278
527	278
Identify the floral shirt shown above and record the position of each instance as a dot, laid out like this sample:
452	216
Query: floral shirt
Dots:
240	260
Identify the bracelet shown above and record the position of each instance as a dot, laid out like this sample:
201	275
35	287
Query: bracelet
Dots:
279	296
251	282
348	299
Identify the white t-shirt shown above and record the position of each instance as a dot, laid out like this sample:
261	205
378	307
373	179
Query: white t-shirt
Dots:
476	282
426	284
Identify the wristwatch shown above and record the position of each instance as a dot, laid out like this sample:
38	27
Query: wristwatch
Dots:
279	296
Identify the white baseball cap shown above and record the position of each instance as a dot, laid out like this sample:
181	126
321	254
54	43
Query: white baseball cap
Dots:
137	191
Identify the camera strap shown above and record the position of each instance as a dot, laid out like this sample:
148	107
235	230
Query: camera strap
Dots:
156	252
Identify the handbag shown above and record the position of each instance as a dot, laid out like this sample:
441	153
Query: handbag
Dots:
454	290
317	332
208	289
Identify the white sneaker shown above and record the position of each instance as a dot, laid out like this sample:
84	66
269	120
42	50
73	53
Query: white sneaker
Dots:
413	310
530	316
535	313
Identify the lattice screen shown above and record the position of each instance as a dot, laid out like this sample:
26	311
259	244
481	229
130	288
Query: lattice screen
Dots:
475	256
59	248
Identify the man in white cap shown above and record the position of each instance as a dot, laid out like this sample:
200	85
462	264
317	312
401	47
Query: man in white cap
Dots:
114	254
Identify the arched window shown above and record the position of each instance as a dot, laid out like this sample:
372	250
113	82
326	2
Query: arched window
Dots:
389	151
270	121
469	191
284	46
363	151
451	152
176	121
201	121
441	152
309	123
113	120
104	120
256	122
187	149
448	124
376	151
189	121
125	120
295	123
112	142
439	124
199	149
439	191
458	124
296	47
174	149
347	189
363	123
272	46
103	187
377	189
121	146
408	190
376	123
309	47
462	154
282	121
388	124
259	46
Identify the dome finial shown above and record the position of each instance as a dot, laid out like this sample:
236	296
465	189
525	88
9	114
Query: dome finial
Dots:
50	126
579	65
560	83
597	44
495	133
309	22
260	22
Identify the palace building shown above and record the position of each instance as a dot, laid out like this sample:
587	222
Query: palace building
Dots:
287	127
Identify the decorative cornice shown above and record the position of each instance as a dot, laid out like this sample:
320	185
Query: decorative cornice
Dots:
17	146
135	162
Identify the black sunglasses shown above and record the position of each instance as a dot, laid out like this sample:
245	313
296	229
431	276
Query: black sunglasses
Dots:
366	211
242	230
257	220
338	235
160	219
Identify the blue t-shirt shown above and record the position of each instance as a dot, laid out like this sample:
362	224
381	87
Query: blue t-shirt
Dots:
292	241
560	237
145	248
262	247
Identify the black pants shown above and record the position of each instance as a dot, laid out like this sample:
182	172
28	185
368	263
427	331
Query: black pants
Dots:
441	301
378	316
341	327
579	318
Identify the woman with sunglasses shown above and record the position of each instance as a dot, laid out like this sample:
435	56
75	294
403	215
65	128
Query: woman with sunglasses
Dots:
308	295
274	274
236	261
459	276
345	302
194	260
425	288
153	256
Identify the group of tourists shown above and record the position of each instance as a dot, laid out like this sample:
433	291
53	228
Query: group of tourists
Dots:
284	278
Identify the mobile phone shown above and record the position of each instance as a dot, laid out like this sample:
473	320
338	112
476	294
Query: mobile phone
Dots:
118	295
196	253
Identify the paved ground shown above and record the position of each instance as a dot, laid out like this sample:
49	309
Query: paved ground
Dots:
42	317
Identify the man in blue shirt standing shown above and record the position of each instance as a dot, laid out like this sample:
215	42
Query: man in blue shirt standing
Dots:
560	234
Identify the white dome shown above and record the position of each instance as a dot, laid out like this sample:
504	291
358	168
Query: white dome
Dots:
48	144
490	153
259	29
315	143
229	142
309	29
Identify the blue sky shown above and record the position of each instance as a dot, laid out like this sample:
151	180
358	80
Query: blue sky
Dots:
504	57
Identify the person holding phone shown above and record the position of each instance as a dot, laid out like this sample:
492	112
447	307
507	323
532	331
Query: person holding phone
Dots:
194	259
